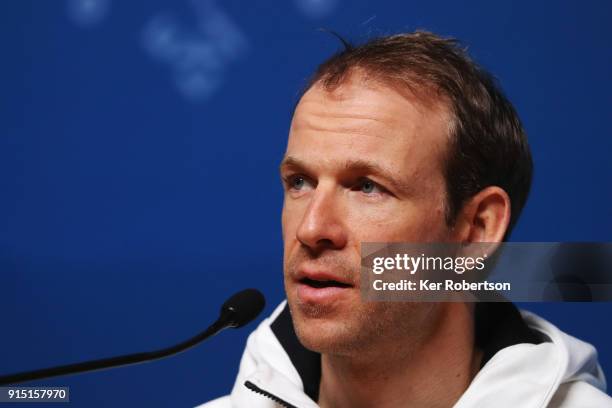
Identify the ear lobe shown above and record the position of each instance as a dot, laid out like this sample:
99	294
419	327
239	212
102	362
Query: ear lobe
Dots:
485	217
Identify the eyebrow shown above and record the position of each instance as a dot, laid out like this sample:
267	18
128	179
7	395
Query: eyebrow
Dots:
359	166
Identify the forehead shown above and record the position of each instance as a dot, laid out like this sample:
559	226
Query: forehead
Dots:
362	119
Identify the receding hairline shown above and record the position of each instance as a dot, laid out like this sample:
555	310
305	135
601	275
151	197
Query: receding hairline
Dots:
428	103
422	94
425	97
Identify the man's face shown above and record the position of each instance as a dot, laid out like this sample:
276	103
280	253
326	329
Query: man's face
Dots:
363	164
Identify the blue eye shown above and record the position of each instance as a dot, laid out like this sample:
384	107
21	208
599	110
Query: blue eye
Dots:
297	182
368	186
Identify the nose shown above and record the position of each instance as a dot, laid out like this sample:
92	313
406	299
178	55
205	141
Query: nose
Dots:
322	225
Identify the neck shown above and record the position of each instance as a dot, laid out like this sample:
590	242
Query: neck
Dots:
433	370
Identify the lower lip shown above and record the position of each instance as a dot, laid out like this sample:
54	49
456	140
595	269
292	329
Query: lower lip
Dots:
309	294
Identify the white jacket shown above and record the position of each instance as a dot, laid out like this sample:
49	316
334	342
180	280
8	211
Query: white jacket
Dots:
561	371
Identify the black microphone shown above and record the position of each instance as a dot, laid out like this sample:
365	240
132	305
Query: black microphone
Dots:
237	311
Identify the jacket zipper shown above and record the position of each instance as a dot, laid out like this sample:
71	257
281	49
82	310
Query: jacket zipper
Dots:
265	393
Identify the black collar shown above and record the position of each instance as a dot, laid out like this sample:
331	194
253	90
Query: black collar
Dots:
306	362
497	326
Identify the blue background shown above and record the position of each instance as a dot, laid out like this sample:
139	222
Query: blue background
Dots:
139	146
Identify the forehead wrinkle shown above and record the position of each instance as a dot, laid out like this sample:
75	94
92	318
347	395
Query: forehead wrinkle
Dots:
426	101
349	123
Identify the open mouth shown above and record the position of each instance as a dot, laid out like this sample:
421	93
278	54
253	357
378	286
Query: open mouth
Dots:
324	283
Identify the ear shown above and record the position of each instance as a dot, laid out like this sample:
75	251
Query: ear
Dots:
484	217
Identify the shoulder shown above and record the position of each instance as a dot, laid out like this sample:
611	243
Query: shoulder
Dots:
262	347
579	394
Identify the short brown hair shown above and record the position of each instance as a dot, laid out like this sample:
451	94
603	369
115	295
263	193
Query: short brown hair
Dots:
488	145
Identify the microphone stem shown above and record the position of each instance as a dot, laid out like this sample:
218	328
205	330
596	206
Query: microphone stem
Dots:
127	359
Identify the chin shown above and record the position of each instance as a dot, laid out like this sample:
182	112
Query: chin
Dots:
324	335
317	340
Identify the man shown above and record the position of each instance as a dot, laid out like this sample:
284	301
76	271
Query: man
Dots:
403	139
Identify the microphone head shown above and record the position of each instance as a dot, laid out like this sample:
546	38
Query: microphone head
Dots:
243	307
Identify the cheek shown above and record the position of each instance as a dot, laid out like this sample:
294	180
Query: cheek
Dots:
283	222
290	221
404	222
432	225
